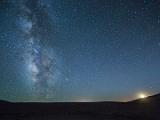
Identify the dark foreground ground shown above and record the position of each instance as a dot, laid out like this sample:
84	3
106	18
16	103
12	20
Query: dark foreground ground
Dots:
146	109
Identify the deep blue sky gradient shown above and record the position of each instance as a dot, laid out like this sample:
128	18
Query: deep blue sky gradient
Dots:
106	49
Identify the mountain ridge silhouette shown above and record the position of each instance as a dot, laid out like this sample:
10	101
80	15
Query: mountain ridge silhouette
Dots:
140	109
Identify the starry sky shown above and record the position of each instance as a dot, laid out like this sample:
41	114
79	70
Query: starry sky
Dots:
79	50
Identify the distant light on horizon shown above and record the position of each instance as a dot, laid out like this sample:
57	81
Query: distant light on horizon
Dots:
142	95
83	100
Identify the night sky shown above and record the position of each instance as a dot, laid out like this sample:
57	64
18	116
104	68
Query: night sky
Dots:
79	50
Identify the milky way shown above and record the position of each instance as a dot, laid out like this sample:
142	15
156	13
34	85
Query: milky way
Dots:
40	59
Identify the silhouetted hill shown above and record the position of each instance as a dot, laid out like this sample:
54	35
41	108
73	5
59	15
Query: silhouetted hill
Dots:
3	102
146	109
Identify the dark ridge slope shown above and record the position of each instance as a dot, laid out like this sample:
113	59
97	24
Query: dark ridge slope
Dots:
142	109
